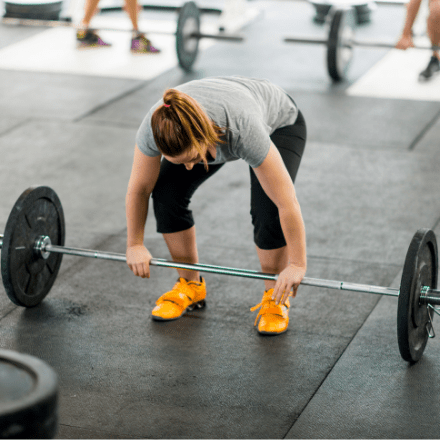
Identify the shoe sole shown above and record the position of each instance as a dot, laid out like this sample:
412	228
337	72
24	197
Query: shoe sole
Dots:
198	305
271	333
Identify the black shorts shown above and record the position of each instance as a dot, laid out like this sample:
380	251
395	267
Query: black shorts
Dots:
176	185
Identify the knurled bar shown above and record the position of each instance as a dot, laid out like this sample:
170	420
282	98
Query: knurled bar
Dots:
245	273
330	284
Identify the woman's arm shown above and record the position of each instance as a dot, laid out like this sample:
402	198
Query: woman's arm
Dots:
144	174
277	184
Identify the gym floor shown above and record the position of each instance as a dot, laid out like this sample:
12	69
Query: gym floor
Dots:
368	180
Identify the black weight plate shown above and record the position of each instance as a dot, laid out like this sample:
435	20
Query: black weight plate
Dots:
43	10
342	24
28	397
187	47
420	269
363	13
28	277
322	9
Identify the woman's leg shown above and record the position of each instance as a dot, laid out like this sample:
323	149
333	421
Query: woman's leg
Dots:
268	235
183	248
171	198
272	261
433	24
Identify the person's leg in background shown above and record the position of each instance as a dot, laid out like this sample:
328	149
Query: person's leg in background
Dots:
433	30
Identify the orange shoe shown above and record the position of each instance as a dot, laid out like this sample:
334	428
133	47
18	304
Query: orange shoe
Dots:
274	318
184	297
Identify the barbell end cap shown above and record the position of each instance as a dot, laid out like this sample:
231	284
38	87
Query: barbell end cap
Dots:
41	245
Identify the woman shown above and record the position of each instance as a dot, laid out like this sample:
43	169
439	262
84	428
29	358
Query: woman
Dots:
186	138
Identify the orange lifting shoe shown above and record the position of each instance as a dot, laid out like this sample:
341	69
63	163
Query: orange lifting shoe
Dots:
184	297
274	318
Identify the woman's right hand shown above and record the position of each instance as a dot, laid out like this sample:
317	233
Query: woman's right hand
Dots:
138	260
405	42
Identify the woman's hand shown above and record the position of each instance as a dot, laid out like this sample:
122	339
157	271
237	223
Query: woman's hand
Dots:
288	282
405	42
138	260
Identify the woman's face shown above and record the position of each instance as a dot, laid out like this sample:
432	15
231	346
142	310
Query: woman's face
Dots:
189	158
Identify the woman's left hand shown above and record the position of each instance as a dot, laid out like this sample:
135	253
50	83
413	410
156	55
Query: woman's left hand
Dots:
288	282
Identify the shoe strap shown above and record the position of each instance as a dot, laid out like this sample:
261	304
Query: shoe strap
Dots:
181	294
268	306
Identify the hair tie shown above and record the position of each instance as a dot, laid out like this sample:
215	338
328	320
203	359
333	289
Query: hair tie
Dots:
167	105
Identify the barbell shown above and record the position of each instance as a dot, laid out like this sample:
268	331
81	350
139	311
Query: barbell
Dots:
341	42
32	247
188	33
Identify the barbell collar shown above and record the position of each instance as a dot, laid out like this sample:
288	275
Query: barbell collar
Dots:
430	296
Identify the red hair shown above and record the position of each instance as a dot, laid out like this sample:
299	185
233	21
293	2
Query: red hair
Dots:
181	125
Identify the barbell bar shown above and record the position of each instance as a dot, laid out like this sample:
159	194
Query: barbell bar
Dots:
61	23
372	44
44	247
187	32
32	247
340	42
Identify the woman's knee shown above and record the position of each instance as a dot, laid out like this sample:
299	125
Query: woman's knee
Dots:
172	217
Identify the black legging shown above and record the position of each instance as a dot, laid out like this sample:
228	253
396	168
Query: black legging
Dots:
176	185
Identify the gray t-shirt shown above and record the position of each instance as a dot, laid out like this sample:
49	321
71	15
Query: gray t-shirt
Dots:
250	109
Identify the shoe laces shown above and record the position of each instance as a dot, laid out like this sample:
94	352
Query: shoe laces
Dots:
268	305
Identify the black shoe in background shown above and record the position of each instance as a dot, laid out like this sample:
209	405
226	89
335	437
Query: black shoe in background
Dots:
432	68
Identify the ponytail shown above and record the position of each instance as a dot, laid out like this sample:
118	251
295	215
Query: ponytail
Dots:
181	124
